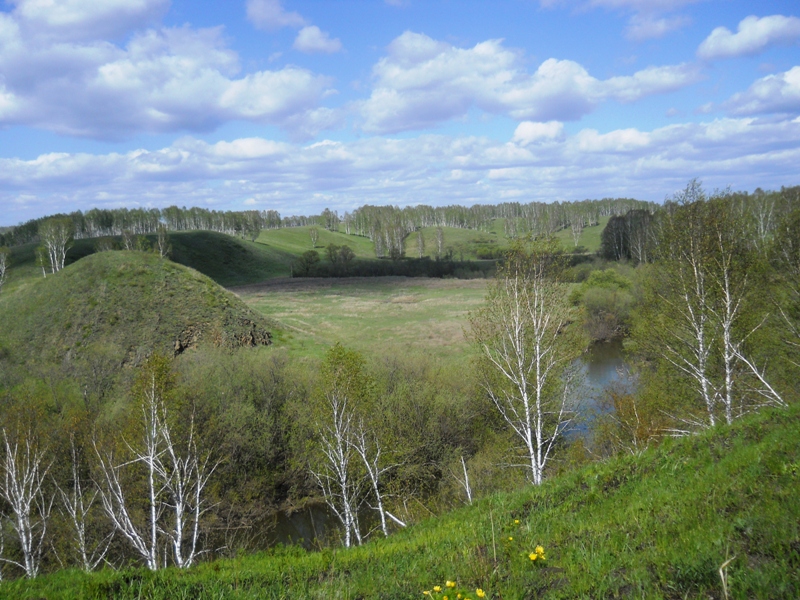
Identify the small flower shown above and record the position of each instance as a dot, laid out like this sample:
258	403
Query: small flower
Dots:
480	593
539	550
533	556
510	539
516	521
445	598
437	588
426	593
450	584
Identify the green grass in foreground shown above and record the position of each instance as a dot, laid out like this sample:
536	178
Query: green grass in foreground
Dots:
415	314
658	525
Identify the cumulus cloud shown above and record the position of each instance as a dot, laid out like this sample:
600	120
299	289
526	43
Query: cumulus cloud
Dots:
311	39
423	82
78	20
529	132
270	15
303	178
779	93
754	35
166	79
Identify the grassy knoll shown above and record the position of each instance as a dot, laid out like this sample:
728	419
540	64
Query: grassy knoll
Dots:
229	260
127	303
367	314
296	240
656	525
590	237
226	259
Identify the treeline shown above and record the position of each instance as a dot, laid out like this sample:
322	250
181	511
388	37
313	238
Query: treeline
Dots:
115	222
636	234
386	226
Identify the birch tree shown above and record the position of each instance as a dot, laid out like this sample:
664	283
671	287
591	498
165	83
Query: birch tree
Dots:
336	472
703	307
175	477
78	503
22	487
57	235
4	260
162	247
526	348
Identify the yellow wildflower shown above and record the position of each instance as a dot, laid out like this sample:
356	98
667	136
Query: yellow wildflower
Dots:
533	556
510	539
450	584
426	593
437	588
480	593
539	550
516	521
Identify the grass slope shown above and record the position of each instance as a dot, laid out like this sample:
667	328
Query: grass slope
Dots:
229	260
131	302
226	259
296	240
657	525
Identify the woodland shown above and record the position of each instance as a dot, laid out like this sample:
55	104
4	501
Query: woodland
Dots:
157	411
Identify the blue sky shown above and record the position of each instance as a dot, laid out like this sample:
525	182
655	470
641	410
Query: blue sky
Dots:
300	105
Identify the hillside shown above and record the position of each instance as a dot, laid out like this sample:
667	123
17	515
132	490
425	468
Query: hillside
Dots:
658	525
129	303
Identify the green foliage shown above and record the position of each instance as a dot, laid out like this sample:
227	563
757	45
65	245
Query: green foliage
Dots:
659	525
607	299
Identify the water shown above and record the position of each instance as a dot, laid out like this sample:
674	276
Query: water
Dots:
310	526
601	367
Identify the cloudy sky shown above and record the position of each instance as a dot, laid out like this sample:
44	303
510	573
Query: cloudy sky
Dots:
297	105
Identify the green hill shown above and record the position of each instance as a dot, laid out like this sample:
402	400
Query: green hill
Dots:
130	302
660	524
296	240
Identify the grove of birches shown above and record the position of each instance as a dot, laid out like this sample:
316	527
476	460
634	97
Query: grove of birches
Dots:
167	461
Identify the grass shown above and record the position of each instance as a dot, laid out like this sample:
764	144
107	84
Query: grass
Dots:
128	303
296	240
413	314
657	525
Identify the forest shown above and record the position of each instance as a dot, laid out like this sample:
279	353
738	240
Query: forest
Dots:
152	418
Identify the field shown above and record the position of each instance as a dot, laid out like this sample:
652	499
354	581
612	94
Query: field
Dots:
410	315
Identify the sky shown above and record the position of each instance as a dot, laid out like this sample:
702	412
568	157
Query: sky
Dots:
299	105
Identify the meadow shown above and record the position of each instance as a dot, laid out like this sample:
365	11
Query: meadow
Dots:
410	315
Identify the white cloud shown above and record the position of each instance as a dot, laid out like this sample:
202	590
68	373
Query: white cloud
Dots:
311	39
270	15
439	170
621	140
78	20
647	27
529	132
166	79
779	93
423	82
753	36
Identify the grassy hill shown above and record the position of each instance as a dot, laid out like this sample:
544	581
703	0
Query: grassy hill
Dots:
129	302
296	240
226	259
657	525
